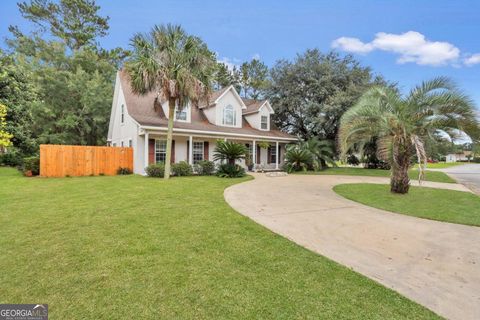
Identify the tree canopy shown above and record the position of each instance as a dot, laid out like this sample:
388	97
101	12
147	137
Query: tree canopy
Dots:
76	22
311	93
250	78
58	81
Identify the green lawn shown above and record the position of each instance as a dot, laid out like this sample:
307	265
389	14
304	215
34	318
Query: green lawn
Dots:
132	247
443	165
429	203
434	176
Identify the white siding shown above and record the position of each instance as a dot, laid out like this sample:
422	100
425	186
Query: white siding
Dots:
228	98
211	114
122	132
255	119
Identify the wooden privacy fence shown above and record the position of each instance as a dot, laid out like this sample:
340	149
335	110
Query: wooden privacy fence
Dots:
61	160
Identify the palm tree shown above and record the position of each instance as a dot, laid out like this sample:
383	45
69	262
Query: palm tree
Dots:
297	158
230	151
401	124
177	66
322	152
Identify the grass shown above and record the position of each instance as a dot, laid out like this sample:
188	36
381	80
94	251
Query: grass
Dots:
429	203
135	247
443	165
434	176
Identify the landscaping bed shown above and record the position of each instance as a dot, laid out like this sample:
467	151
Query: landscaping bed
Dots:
134	247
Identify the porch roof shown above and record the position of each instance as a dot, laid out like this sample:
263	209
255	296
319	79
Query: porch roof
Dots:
214	134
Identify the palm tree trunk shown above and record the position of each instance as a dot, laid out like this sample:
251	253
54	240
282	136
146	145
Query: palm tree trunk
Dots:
171	115
400	182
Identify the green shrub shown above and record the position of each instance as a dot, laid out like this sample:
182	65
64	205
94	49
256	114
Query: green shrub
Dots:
11	158
205	168
155	170
124	171
31	164
297	159
228	170
182	169
353	160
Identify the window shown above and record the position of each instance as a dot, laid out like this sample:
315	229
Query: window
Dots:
229	116
273	154
123	114
264	123
181	115
197	151
114	144
121	144
160	150
129	143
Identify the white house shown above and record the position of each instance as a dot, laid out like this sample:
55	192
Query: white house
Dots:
140	121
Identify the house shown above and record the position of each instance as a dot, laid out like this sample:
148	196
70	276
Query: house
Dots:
140	121
464	155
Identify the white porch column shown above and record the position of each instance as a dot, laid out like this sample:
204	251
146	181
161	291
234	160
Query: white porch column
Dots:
254	154
190	150
146	152
276	156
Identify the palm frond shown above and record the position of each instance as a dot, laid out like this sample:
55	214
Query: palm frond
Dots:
421	157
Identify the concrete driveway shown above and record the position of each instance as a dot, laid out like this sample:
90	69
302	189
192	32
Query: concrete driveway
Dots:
467	174
434	263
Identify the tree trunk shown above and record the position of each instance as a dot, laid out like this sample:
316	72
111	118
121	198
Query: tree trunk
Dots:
400	182
171	115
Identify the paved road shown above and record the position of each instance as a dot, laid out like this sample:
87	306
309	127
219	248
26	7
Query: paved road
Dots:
467	174
434	263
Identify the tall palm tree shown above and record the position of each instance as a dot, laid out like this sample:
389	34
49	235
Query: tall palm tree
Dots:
177	66
401	124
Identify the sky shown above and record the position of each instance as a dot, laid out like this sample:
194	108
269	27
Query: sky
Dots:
405	41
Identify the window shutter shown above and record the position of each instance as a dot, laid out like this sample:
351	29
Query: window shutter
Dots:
258	154
269	154
205	150
279	153
151	151
172	158
188	151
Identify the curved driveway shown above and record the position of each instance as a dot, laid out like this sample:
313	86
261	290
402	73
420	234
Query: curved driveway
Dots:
434	263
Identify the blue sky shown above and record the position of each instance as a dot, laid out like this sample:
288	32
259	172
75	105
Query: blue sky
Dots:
442	39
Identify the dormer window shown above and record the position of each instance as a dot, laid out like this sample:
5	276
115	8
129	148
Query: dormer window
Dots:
264	123
181	115
229	116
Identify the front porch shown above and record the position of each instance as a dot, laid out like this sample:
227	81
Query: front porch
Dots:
195	148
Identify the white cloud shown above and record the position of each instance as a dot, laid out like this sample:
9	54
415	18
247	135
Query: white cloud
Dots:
256	56
352	45
472	60
412	46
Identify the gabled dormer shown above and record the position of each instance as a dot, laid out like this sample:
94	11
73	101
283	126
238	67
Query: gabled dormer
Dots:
181	114
225	108
258	114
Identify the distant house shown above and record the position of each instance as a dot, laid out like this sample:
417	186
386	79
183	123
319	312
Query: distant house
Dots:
141	122
458	156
